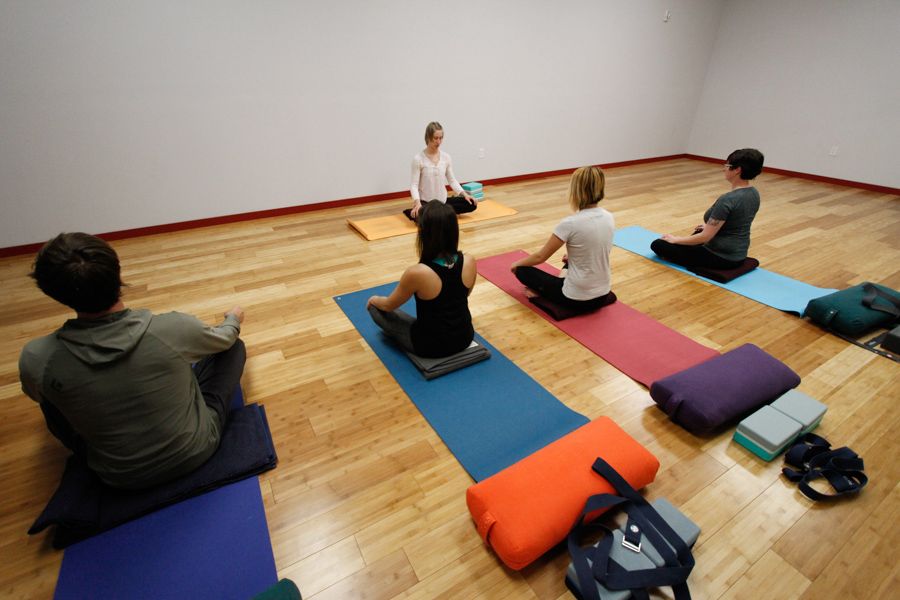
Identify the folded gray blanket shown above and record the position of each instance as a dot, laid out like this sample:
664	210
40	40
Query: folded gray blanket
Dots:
435	367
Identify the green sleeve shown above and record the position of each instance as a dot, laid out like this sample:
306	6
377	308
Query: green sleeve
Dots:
32	362
192	338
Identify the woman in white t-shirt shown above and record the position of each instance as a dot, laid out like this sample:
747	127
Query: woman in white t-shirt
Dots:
432	170
588	236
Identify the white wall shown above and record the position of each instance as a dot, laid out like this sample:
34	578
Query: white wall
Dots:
796	77
115	115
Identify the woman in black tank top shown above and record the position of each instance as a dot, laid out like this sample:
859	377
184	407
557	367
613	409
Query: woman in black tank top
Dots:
441	282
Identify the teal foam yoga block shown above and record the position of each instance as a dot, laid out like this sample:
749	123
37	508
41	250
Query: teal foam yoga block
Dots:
767	432
803	409
472	186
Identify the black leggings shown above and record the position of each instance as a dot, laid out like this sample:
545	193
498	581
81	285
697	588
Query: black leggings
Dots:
459	204
691	256
550	287
219	375
396	324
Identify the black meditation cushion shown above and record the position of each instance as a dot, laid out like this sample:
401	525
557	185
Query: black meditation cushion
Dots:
726	275
557	311
560	312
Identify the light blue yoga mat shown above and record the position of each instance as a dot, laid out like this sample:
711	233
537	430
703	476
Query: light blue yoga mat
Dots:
760	285
490	414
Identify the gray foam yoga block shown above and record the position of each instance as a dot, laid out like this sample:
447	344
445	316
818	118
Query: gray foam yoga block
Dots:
648	557
800	407
767	432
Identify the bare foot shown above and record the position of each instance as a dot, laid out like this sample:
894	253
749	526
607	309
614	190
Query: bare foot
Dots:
530	293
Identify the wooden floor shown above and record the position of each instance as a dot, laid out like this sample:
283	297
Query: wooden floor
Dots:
367	502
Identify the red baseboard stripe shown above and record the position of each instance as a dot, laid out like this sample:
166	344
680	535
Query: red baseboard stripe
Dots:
289	210
881	189
208	222
624	163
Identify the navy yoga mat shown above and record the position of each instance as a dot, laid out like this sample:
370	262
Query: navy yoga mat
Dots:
760	285
213	546
490	414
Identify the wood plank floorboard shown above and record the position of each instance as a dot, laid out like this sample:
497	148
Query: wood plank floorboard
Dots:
367	501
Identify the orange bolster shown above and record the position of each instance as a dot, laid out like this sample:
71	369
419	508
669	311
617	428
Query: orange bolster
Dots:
527	508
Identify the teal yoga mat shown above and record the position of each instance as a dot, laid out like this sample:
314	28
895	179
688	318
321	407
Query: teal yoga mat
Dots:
760	285
490	414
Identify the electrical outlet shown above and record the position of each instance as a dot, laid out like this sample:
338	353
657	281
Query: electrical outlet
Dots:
667	17
481	153
833	151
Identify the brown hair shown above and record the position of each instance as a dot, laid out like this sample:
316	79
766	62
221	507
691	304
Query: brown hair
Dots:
438	231
79	270
431	129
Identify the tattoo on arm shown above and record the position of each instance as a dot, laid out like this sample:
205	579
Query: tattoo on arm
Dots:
714	222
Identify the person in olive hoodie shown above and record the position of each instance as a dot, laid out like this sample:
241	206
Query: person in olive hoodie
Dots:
116	384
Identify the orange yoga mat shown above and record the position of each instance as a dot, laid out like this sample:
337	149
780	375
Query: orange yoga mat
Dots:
378	228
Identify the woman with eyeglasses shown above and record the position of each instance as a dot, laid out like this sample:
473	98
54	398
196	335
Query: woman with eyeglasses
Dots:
722	241
588	236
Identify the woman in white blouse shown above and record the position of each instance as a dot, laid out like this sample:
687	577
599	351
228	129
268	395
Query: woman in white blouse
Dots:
432	170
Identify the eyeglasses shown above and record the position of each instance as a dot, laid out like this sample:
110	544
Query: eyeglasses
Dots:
730	167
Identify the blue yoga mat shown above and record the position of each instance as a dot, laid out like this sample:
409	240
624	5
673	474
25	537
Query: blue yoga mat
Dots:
490	414
213	546
760	285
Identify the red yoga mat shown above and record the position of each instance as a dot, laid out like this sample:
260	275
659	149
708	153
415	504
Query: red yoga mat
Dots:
639	346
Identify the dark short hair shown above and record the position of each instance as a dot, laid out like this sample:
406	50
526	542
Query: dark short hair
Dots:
438	231
79	270
750	160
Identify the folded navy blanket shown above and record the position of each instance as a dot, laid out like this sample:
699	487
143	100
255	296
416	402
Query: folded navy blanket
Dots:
83	506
